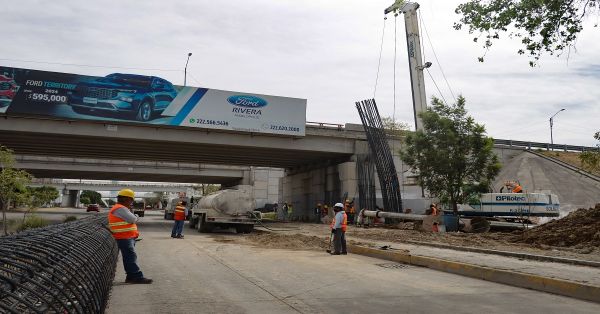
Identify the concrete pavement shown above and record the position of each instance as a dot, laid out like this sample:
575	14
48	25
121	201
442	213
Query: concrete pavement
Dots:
208	274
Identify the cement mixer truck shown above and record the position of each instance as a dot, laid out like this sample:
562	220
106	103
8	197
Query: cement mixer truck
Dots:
224	209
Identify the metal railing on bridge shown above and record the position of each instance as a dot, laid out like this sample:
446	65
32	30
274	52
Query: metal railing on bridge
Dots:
547	146
65	268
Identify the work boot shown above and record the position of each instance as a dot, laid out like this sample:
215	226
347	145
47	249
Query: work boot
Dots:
344	253
141	280
335	253
179	236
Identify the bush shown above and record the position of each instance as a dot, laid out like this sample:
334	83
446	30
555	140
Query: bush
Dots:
70	218
32	222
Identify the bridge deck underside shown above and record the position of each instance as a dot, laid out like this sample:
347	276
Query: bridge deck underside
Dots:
33	143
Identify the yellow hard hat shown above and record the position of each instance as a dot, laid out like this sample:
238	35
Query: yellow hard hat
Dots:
326	206
127	192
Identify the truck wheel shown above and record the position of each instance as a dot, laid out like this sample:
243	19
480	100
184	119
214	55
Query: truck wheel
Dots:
240	229
203	226
193	222
249	228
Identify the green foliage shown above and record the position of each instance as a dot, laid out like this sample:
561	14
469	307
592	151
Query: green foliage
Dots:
453	157
550	26
31	222
590	160
397	128
42	195
90	197
70	218
12	182
206	189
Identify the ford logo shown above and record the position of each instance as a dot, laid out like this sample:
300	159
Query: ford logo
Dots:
247	101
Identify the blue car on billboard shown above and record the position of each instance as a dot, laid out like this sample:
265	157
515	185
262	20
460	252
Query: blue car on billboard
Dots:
127	96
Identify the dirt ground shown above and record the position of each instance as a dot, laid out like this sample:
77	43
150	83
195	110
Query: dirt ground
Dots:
575	236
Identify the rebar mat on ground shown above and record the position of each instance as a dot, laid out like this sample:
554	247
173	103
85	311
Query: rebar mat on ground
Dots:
64	268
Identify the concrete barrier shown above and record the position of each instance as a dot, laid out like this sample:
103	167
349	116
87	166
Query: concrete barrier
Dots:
557	286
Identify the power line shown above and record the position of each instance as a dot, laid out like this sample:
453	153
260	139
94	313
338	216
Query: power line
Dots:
90	65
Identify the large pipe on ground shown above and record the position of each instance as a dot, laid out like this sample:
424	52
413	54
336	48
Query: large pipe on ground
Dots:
382	214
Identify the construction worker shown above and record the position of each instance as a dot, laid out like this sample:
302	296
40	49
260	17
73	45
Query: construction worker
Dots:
517	188
179	217
434	212
122	225
325	210
338	228
318	210
290	211
351	212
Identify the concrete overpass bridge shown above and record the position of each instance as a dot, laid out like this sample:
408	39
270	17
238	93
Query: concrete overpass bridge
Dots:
319	167
115	186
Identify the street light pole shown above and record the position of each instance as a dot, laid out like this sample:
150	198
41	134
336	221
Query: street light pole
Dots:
551	124
185	70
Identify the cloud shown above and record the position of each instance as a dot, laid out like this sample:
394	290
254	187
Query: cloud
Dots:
324	51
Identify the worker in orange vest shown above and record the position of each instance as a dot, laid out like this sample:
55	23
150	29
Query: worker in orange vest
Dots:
434	212
179	217
338	228
121	223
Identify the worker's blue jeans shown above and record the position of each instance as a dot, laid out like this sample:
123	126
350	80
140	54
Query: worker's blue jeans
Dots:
177	228
127	248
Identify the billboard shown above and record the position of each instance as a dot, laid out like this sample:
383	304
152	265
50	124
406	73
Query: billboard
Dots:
147	100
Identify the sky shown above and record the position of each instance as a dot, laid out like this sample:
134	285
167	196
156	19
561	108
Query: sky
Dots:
324	51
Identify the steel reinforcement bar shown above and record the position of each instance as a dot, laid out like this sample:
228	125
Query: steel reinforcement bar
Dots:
64	268
382	155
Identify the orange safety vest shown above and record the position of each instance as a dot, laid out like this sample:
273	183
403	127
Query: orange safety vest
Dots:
517	189
344	222
179	213
120	228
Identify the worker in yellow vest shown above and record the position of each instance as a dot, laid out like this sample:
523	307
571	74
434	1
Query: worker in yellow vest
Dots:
179	217
122	225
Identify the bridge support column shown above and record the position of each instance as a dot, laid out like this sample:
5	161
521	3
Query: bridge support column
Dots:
70	198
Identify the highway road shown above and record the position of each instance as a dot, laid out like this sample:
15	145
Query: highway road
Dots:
209	273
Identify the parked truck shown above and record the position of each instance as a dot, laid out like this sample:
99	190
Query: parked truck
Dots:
229	208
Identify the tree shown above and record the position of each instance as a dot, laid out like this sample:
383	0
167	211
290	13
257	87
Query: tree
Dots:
392	127
550	26
42	195
452	156
12	182
590	160
90	197
206	189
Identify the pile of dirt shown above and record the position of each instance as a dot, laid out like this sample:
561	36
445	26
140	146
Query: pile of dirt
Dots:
275	240
580	229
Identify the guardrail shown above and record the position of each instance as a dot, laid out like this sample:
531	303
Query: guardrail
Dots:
65	268
568	166
547	146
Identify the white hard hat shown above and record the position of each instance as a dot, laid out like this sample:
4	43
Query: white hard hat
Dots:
340	205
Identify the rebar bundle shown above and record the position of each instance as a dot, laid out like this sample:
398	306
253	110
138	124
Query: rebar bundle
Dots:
64	268
366	182
380	150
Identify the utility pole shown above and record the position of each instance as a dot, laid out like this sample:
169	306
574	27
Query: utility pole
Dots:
551	124
416	67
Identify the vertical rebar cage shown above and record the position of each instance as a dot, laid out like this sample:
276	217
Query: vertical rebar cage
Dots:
381	154
64	268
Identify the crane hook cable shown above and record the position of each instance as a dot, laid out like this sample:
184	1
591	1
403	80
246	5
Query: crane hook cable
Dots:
379	62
